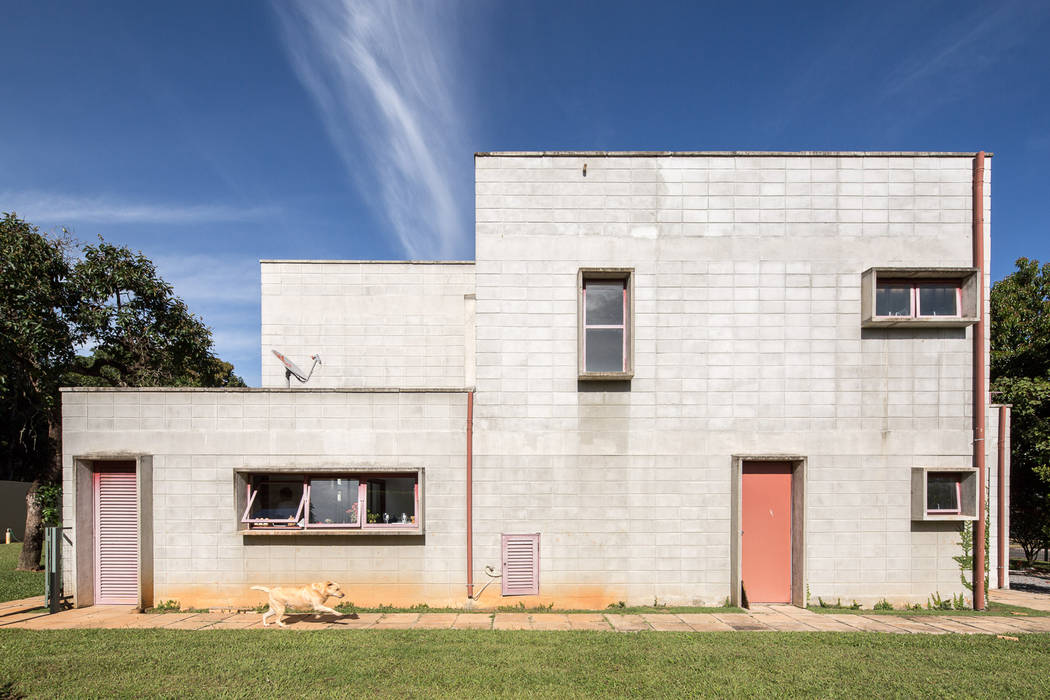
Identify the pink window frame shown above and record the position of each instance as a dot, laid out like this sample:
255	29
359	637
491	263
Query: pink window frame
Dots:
360	503
916	297
622	326
398	526
957	510
914	310
250	497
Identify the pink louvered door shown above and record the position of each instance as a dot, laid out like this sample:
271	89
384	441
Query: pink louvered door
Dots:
116	538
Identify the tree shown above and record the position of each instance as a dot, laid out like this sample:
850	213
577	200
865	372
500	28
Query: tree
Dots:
110	300
1020	371
36	345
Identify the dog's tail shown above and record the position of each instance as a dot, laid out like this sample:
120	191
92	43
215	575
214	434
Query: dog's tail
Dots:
260	588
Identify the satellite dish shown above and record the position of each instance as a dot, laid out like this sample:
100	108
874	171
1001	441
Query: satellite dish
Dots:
292	370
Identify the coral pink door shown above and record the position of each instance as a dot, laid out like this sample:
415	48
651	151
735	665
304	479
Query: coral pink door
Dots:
766	538
116	537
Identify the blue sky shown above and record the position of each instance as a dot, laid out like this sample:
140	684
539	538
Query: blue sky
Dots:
210	135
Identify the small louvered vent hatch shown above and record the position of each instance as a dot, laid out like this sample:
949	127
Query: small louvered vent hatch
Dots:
521	564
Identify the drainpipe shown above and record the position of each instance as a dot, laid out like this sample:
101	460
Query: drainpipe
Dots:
470	494
980	392
1003	539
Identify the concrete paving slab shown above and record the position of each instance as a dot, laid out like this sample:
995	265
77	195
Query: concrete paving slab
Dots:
627	623
1033	624
664	622
397	621
594	622
512	621
31	602
362	621
947	625
1024	599
825	623
868	624
550	621
14	617
238	622
436	621
742	622
190	623
991	625
783	623
911	625
704	622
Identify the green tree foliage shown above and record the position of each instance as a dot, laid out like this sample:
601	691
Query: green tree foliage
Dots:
1020	370
108	300
140	332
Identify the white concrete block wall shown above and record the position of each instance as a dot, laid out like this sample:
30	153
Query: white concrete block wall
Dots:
747	341
375	324
197	440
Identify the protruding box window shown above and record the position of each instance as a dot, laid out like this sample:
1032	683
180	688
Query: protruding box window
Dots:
944	493
931	297
605	314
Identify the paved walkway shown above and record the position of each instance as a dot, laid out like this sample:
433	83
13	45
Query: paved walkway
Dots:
20	614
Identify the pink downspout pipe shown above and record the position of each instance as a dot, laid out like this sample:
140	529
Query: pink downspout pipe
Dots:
1003	539
470	494
980	390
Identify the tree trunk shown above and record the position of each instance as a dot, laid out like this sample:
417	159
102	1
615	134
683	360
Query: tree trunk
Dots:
33	543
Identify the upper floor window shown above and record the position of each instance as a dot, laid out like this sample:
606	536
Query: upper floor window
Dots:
915	297
911	298
605	323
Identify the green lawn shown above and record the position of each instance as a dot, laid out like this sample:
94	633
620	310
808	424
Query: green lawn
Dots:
17	584
414	664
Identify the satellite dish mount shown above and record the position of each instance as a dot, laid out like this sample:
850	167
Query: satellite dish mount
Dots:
292	370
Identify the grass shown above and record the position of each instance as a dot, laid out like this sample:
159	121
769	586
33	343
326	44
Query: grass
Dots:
15	585
440	663
993	609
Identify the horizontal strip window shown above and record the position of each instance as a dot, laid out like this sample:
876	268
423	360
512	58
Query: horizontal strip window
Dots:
332	501
911	299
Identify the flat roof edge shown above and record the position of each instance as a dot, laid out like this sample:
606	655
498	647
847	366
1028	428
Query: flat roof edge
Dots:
367	262
729	154
260	390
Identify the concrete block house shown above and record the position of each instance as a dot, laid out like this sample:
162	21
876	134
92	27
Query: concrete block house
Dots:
672	377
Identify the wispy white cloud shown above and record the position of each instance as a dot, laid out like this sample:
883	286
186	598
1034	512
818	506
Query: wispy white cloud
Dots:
43	207
209	279
224	291
971	43
385	79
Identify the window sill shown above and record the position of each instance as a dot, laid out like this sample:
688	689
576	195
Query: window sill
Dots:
605	376
918	322
944	517
330	532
